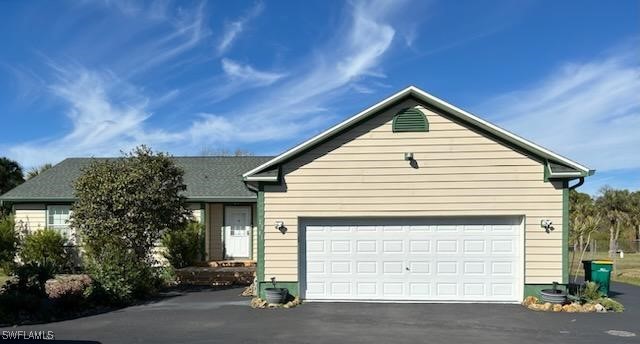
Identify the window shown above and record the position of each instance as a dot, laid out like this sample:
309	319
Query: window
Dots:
58	219
410	119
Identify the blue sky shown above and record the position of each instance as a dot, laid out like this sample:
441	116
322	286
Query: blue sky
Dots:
83	78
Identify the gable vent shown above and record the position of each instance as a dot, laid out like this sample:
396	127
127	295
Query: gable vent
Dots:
408	120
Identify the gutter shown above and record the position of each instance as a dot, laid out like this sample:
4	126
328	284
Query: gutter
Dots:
580	182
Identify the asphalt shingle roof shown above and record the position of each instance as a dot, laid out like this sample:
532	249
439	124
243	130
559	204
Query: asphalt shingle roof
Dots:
207	178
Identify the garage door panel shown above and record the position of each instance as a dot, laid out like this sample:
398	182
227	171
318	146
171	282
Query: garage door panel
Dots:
428	259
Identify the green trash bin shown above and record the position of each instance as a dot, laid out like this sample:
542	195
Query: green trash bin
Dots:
598	271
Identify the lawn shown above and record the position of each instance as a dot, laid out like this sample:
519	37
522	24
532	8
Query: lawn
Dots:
626	270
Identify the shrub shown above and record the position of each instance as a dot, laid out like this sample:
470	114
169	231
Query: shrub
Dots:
611	305
45	247
31	277
8	244
68	291
166	277
119	275
591	291
183	245
123	206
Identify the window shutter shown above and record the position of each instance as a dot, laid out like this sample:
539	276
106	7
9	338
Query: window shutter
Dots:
408	120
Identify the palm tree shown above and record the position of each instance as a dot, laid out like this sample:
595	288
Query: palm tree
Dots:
635	218
37	170
615	207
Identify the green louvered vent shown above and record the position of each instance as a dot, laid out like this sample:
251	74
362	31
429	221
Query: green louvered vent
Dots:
408	120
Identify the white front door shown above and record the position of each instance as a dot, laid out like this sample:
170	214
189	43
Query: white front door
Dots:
430	259
237	232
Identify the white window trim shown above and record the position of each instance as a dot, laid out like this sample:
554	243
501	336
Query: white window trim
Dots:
63	229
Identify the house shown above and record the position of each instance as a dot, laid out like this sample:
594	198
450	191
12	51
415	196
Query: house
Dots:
215	193
412	199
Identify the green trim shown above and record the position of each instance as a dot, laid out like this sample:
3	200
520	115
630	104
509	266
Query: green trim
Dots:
534	289
409	120
293	287
565	232
260	210
203	231
546	171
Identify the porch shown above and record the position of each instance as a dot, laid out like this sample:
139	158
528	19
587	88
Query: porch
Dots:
229	232
218	273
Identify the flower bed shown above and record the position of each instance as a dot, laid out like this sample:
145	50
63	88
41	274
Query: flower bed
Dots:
257	302
601	305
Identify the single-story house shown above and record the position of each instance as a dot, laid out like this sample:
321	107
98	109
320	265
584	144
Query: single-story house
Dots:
412	199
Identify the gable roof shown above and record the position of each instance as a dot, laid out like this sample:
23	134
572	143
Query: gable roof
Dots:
575	169
207	178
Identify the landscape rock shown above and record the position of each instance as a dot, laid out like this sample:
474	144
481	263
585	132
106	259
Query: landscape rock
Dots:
536	307
529	300
557	307
570	308
588	308
600	308
257	302
547	307
250	290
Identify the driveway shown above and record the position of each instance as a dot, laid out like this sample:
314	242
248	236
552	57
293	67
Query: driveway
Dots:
224	317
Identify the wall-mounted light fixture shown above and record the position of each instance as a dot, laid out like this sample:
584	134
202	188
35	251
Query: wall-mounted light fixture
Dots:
547	225
408	156
280	226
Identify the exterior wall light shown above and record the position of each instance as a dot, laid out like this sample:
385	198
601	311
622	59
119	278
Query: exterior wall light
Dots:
408	156
280	226
547	225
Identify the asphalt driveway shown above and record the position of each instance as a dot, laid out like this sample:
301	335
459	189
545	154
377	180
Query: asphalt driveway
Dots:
224	317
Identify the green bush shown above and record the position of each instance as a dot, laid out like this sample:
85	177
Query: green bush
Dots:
183	245
45	247
9	241
591	291
611	305
119	275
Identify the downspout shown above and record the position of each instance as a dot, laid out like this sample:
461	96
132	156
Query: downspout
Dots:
580	182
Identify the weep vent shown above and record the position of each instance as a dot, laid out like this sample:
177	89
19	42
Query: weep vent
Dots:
408	120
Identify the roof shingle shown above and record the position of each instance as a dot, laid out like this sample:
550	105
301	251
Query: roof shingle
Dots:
207	179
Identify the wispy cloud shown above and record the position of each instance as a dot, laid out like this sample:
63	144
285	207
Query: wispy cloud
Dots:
589	111
245	73
109	111
106	115
299	104
234	29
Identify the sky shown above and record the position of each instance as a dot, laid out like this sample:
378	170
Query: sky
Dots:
94	78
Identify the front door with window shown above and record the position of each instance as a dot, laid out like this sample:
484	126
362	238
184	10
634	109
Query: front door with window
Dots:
237	232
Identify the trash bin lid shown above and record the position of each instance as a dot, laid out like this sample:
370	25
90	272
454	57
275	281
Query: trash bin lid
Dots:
603	262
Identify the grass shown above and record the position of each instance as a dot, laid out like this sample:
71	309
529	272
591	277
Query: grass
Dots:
626	270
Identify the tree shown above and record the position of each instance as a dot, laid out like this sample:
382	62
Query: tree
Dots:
123	207
11	175
635	218
581	208
615	207
35	171
584	220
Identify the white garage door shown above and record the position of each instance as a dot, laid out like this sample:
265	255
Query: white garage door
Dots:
471	259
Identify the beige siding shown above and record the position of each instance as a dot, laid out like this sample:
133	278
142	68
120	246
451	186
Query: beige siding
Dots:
214	221
30	217
460	172
196	211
